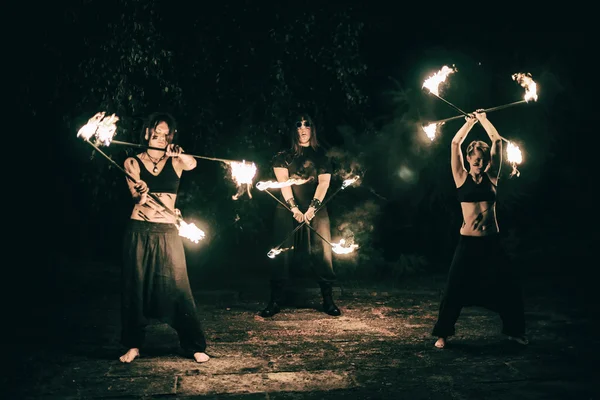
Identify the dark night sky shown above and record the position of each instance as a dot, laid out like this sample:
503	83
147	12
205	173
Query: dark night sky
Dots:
395	47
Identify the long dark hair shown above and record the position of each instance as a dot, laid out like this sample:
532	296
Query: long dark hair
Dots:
314	143
152	122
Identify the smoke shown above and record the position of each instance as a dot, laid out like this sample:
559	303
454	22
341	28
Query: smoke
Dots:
346	164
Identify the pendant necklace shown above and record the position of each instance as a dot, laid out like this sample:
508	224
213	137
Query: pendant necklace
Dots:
155	169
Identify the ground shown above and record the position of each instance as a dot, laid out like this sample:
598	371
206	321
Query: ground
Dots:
380	348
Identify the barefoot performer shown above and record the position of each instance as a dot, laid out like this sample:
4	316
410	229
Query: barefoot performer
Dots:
480	274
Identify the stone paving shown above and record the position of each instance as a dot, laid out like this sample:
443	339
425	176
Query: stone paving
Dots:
380	348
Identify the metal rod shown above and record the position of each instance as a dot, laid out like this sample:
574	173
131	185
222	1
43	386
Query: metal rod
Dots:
152	195
450	104
313	229
316	211
141	146
485	110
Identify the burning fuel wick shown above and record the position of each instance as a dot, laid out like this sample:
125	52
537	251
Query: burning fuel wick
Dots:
344	185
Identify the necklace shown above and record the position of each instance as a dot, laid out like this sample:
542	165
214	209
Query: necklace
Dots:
155	169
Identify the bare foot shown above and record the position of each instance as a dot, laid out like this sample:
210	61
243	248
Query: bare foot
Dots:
440	343
130	355
201	357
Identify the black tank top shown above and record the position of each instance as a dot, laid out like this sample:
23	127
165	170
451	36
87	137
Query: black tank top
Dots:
167	181
471	192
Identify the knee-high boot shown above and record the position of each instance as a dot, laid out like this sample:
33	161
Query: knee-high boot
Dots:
329	306
273	307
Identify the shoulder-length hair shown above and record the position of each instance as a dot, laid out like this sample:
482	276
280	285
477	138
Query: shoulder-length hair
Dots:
314	143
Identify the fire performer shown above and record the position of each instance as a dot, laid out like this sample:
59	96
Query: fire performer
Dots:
480	274
155	282
305	161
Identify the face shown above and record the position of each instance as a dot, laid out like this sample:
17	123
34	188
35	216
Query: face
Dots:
303	132
159	136
476	162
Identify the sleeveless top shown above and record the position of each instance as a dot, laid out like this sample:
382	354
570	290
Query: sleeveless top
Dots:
167	181
471	192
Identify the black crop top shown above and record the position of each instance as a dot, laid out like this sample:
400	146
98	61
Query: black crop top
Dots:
471	192
167	181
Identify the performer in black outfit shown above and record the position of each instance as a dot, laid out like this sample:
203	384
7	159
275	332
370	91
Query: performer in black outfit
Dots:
154	277
480	273
307	164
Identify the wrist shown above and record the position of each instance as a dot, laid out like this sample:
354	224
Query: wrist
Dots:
315	203
291	202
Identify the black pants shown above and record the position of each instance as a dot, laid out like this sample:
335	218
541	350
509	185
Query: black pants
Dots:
155	284
480	275
309	250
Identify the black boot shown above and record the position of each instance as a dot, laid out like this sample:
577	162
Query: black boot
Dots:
276	295
328	305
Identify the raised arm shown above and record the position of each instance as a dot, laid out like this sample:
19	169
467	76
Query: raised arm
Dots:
457	162
496	149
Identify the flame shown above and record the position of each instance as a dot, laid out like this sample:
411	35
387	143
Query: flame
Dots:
514	156
243	173
107	128
275	252
430	130
264	185
349	182
89	129
525	80
433	82
103	128
513	153
342	248
190	231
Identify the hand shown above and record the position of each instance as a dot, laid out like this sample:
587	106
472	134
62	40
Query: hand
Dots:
298	216
480	114
141	187
309	214
471	119
173	150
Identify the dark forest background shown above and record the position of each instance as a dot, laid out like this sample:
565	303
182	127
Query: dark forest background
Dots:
234	74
